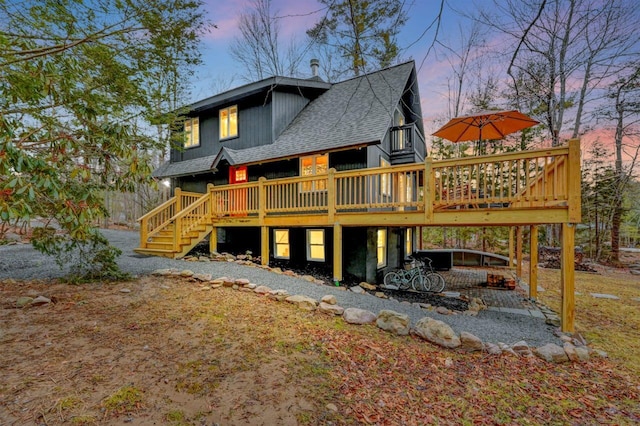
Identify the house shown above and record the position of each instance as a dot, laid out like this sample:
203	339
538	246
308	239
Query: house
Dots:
283	127
336	175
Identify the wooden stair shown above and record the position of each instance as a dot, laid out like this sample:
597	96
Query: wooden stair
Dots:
169	231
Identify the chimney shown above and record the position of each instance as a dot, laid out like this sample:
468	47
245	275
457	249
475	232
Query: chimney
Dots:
314	66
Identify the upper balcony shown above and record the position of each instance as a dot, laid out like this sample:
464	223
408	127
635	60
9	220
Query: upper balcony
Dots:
406	142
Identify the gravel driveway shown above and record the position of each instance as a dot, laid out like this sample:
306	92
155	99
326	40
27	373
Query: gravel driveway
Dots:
22	262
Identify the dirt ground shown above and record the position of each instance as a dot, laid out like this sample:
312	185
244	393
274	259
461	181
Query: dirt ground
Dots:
167	352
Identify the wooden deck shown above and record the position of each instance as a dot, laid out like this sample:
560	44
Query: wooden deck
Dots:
520	188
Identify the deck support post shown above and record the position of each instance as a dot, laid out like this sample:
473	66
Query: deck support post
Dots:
567	276
264	245
337	253
178	194
331	195
213	241
429	190
519	252
511	246
533	262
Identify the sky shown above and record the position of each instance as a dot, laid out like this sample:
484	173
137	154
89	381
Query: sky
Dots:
219	70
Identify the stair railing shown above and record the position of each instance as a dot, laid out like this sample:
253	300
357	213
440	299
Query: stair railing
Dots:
189	218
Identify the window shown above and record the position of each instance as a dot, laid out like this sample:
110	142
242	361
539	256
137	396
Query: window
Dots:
311	166
408	243
315	244
229	122
281	242
191	132
398	119
385	179
381	248
238	174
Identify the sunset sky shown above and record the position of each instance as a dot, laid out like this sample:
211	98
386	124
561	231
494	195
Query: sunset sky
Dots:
219	72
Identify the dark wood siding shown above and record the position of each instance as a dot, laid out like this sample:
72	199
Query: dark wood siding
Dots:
285	108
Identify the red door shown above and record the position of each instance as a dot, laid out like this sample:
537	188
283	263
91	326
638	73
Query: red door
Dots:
238	197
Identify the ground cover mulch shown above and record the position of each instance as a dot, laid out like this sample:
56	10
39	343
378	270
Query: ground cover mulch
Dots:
171	351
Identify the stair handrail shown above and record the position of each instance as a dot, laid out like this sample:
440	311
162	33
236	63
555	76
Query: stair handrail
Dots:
177	219
145	233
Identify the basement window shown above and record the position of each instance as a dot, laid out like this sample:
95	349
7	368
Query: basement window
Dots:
315	245
381	247
281	243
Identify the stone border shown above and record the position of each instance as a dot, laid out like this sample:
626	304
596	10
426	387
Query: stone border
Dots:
574	349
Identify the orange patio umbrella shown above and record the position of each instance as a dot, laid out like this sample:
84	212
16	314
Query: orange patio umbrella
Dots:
485	125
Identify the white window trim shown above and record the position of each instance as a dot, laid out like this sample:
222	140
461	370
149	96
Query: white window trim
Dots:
309	257
381	263
192	138
228	122
276	244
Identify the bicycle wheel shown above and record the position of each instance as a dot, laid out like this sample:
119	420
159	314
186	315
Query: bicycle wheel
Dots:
437	282
405	280
421	283
392	280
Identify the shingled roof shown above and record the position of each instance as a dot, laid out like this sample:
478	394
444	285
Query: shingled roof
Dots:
354	112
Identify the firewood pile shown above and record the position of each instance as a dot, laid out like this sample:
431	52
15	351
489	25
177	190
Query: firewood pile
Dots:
549	257
499	281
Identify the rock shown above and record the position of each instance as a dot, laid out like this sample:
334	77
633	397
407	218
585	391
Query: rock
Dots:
358	316
437	332
570	350
319	282
470	313
492	349
522	348
368	286
329	299
251	286
242	282
470	342
262	289
303	302
308	278
553	320
357	289
125	290
229	256
216	285
583	353
41	300
278	295
380	294
23	301
566	338
204	259
290	273
235	286
328	308
393	322
332	407
162	272
204	288
228	282
186	273
551	353
442	310
276	270
634	271
12	237
202	277
600	353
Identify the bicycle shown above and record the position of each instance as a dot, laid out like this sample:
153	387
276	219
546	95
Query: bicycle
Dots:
429	280
404	279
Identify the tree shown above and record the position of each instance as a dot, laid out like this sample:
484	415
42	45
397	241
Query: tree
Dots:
562	51
624	94
362	32
82	85
258	48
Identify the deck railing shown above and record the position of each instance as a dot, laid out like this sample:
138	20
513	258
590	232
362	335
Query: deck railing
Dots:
160	217
541	178
538	179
